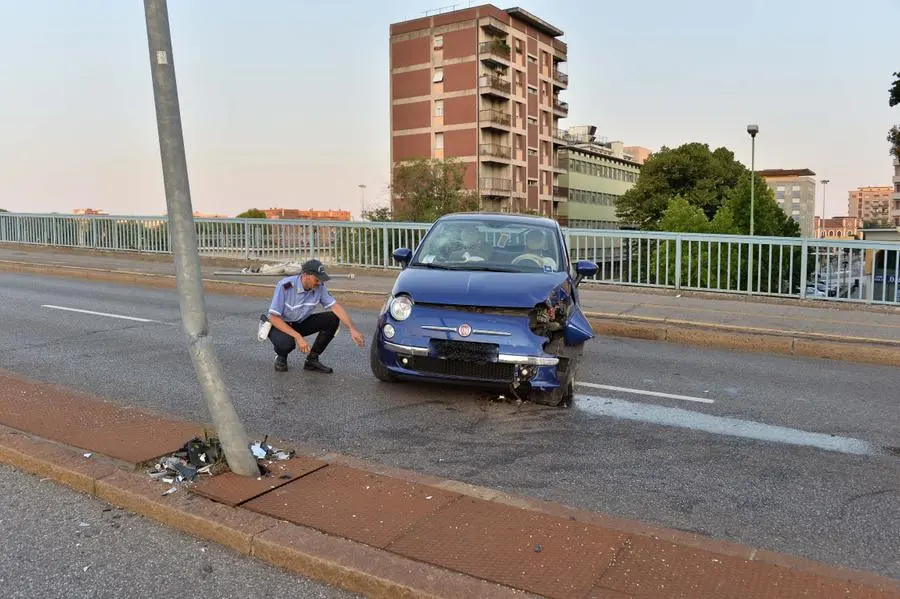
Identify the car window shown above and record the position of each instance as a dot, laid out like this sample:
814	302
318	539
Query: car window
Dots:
476	244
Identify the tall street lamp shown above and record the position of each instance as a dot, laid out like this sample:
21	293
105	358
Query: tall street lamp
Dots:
824	192
752	130
362	199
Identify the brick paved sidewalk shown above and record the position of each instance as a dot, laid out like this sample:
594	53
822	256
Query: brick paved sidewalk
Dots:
384	532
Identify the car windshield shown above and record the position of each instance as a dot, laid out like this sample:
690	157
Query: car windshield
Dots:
488	245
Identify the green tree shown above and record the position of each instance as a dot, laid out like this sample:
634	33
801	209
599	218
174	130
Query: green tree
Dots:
702	176
252	213
893	100
768	218
429	189
379	215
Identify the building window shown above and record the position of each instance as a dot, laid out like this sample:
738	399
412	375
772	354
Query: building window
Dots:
532	120
533	153
439	140
532	59
779	188
532	90
795	188
438	108
438	42
438	75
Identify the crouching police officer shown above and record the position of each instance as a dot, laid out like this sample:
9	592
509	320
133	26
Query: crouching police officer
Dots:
292	318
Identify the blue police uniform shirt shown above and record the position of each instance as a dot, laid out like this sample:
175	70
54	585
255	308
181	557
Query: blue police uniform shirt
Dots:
293	303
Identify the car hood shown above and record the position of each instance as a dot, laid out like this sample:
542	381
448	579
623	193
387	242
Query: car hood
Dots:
473	288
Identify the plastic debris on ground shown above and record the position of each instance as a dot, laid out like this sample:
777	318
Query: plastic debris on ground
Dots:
197	457
265	455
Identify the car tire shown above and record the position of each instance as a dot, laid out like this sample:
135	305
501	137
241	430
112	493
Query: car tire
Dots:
381	373
561	396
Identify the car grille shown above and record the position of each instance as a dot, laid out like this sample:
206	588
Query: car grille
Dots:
490	371
466	351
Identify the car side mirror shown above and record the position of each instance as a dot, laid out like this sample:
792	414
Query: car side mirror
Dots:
584	269
403	256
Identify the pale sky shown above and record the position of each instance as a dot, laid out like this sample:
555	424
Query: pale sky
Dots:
285	102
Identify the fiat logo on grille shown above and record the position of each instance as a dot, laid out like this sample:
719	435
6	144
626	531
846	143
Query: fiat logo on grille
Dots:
464	330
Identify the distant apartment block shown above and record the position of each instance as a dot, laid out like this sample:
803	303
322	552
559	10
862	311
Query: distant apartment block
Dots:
795	192
88	212
838	227
638	154
599	172
295	214
872	205
482	85
895	198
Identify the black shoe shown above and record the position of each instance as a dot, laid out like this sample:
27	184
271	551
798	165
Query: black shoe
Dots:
280	364
314	364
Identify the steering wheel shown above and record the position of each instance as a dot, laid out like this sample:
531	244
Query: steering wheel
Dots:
529	257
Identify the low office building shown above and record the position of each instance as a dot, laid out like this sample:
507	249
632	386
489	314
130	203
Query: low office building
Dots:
598	173
838	227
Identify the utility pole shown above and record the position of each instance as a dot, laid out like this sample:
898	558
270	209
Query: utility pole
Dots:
229	428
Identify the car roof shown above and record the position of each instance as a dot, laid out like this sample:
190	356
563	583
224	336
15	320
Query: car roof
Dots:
506	217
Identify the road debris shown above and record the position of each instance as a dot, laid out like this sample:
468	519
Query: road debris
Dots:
279	268
198	456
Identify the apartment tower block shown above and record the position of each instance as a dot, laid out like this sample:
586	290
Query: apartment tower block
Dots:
482	85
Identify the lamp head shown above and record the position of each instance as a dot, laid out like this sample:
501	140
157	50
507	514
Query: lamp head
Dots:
752	130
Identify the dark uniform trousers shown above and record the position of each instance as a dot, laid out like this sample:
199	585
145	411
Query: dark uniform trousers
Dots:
324	323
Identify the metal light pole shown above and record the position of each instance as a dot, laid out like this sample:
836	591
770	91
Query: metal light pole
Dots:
362	199
825	183
229	428
752	130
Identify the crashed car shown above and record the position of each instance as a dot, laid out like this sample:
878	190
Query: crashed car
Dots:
488	300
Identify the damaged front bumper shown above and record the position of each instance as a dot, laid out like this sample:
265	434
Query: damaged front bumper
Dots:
483	347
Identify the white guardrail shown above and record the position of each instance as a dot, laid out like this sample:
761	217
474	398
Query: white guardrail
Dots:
828	270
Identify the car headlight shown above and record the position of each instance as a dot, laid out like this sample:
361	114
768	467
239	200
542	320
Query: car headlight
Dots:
401	307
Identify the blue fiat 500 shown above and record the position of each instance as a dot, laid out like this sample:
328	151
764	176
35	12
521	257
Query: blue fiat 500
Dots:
489	300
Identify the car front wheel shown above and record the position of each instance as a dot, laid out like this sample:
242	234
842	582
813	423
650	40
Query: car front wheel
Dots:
381	373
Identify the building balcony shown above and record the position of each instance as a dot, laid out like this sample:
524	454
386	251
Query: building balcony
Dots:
495	152
495	118
495	186
495	85
560	55
560	107
492	26
558	167
495	51
560	79
560	193
558	135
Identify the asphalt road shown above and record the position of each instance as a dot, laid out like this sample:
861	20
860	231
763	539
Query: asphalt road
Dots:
777	452
60	543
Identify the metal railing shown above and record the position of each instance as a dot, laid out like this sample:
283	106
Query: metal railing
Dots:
494	116
495	48
496	83
821	269
496	151
495	184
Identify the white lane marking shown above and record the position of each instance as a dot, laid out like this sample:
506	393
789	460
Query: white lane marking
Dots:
720	425
645	392
135	318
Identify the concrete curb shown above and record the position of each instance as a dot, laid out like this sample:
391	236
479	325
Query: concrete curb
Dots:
760	340
341	562
332	560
